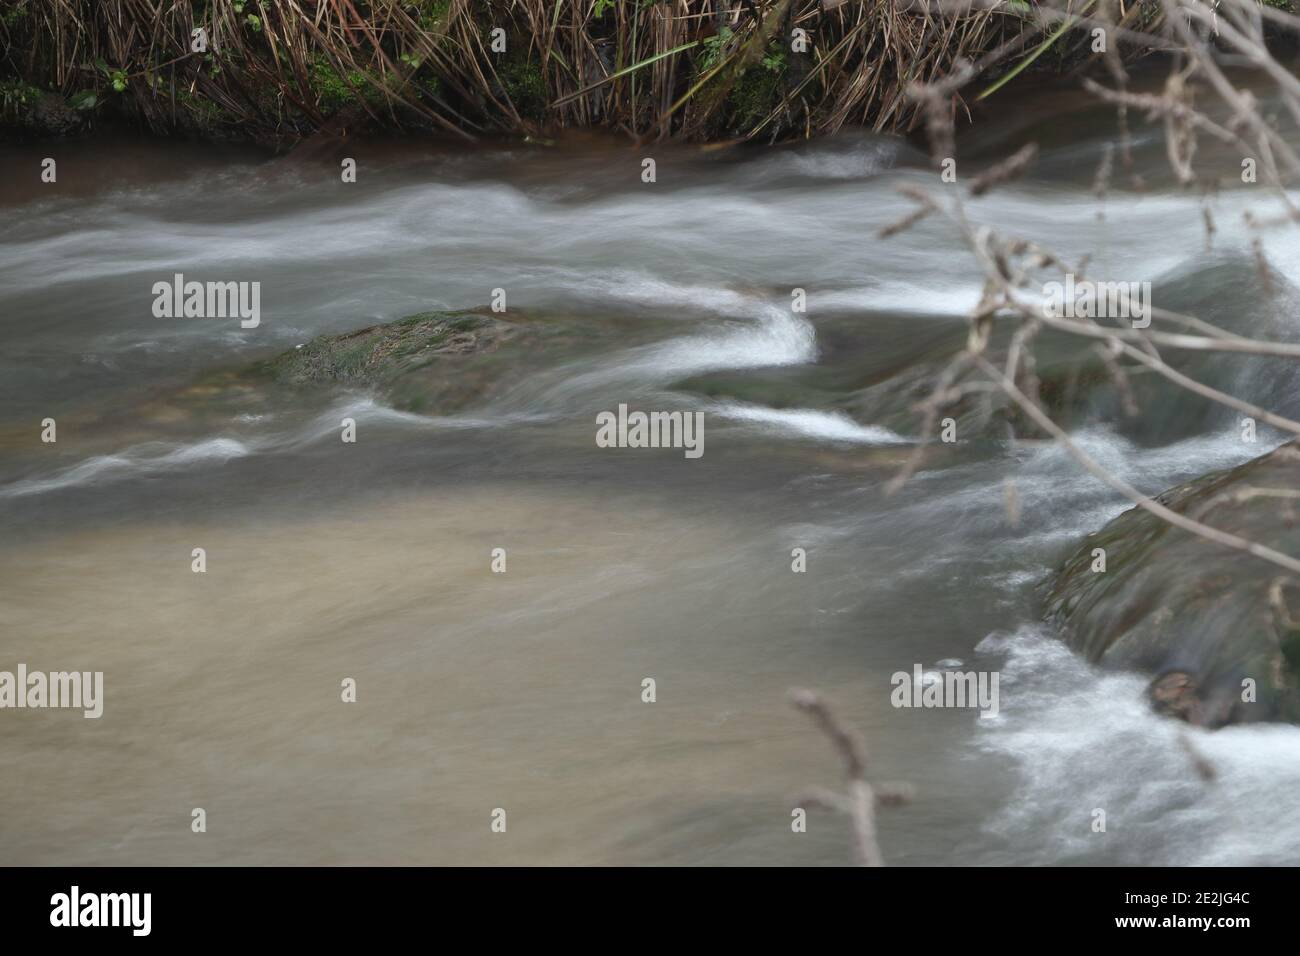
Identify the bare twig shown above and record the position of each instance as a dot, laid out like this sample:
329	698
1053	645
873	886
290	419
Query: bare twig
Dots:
860	800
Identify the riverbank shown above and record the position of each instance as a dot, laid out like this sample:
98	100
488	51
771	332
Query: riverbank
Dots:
692	70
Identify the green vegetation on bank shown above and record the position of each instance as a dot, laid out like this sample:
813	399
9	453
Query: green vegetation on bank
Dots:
277	72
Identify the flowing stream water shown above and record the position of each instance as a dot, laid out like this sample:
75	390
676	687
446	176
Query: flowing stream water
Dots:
522	690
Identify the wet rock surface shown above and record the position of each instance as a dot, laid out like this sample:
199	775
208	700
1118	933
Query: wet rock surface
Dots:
1214	626
426	361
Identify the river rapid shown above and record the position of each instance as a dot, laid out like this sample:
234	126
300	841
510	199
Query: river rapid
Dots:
523	690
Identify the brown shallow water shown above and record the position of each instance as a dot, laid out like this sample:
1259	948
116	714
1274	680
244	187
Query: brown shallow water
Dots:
475	690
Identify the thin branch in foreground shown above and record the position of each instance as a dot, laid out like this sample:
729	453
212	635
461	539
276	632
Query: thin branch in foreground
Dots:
1144	502
1200	763
861	799
1010	168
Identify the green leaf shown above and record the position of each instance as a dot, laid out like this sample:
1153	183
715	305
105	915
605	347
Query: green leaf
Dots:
1041	49
624	72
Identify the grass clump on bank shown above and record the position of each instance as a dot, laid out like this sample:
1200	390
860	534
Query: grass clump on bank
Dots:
691	69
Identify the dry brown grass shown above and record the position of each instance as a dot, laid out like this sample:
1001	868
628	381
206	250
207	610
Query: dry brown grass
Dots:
281	69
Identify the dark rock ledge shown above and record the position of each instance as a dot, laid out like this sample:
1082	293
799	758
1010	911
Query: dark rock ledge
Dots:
1202	619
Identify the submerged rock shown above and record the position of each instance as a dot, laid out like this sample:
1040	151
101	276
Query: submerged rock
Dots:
1218	629
419	362
431	362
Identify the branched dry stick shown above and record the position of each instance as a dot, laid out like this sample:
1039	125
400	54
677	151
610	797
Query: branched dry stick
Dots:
1101	181
1277	600
1010	265
860	800
1044	421
1200	763
1010	168
1242	495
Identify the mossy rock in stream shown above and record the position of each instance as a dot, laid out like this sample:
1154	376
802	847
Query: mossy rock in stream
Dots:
431	362
428	360
1201	618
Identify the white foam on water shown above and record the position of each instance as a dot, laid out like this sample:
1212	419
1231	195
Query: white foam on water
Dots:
847	156
775	337
638	287
1084	739
808	423
139	460
1060	502
366	410
156	457
772	336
